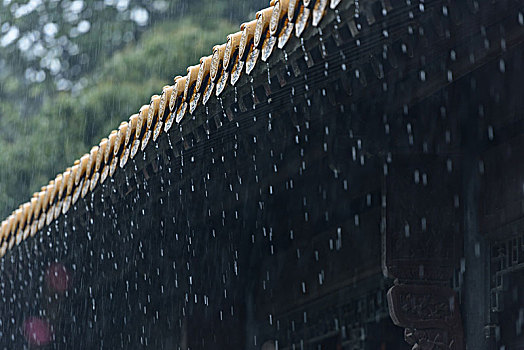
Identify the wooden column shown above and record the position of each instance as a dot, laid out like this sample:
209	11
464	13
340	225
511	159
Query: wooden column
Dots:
421	239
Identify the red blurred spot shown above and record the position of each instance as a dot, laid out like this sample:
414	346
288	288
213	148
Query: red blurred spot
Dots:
37	331
57	278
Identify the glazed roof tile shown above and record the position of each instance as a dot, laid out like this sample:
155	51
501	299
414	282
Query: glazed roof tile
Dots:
272	27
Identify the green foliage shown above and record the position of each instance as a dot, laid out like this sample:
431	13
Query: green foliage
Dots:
54	42
36	144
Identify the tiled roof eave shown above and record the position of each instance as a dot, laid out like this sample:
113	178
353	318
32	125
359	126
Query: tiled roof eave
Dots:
277	28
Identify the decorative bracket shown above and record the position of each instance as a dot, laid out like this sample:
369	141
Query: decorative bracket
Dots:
421	238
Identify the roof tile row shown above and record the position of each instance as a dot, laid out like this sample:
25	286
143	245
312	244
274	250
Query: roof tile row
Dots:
256	39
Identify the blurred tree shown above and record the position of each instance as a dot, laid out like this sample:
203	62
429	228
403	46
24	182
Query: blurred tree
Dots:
58	41
37	143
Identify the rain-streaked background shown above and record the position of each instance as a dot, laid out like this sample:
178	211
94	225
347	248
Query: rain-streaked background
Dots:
380	149
71	71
